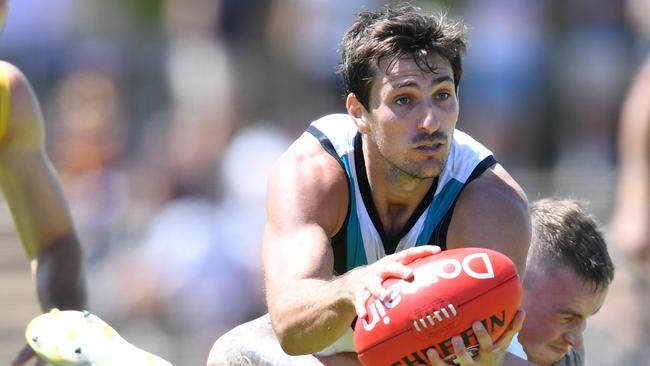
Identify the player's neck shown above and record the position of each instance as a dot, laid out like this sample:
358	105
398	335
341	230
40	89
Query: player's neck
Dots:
392	188
395	194
395	204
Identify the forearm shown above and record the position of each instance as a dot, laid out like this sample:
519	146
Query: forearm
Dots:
59	275
311	314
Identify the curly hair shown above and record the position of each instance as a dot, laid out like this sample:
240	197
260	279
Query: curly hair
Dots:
392	32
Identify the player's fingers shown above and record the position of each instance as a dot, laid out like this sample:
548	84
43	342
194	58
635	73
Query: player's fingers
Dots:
518	321
484	339
397	270
434	359
486	347
462	355
360	303
376	289
513	328
409	255
387	270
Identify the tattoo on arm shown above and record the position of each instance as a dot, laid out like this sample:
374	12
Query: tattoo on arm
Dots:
261	350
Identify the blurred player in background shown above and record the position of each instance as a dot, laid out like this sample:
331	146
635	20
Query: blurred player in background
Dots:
568	272
33	193
357	197
631	223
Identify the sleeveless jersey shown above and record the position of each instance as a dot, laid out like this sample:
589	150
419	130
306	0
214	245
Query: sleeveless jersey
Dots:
5	101
361	239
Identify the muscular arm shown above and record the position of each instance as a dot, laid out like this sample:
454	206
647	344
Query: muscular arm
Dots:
307	203
35	199
493	212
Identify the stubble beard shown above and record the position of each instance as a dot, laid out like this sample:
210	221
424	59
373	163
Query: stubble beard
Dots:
411	171
402	170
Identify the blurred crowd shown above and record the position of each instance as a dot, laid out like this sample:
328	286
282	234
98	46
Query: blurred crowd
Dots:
164	117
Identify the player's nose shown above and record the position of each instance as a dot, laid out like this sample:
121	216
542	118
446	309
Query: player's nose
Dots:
574	338
430	121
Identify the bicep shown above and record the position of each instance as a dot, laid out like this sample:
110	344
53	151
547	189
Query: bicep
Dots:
306	205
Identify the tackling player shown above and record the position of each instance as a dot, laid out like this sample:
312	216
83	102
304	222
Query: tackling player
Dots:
33	193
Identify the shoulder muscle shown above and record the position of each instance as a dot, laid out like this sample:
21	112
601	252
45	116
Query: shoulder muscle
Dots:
307	202
493	212
308	185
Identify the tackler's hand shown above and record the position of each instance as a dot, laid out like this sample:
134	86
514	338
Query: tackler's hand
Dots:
489	353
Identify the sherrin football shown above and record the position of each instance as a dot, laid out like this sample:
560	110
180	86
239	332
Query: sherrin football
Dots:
448	292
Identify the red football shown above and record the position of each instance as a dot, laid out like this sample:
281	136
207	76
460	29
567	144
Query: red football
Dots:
449	292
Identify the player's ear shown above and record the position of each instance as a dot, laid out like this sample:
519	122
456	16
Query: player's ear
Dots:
357	111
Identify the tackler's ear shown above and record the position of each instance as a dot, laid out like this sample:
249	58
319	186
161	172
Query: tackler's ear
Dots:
357	111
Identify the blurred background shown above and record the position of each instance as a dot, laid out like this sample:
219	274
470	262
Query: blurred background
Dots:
164	116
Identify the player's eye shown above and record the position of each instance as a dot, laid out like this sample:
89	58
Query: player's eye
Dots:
443	96
403	100
567	319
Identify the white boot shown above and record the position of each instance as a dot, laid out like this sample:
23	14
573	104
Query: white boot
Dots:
76	338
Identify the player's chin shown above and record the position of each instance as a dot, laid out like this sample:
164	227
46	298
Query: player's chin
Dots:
550	356
430	173
428	169
544	362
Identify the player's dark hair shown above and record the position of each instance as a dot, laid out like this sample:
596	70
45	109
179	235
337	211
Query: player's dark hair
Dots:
563	233
389	34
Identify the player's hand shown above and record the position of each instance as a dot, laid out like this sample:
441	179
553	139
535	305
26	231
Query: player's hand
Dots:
368	279
25	355
489	354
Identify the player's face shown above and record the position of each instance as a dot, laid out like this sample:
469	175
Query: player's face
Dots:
412	116
557	305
